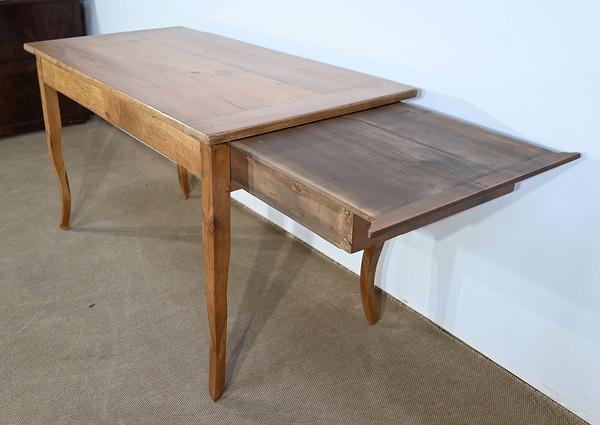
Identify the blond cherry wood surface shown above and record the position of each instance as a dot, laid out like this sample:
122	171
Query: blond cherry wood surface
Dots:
213	88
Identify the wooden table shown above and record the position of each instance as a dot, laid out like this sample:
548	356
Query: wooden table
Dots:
212	105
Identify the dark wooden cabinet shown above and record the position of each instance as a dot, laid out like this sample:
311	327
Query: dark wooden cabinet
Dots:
32	20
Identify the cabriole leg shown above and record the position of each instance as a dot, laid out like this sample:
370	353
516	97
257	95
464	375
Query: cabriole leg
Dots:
367	282
184	181
53	125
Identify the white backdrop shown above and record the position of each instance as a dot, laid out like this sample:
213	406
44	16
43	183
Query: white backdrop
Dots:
518	278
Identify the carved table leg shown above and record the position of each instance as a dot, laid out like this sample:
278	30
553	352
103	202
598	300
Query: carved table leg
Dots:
367	282
53	125
216	239
184	182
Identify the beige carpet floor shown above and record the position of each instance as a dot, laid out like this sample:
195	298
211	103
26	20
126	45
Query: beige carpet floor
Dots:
106	323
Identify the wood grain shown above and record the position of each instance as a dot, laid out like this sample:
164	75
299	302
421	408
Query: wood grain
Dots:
184	181
367	282
213	88
362	230
216	243
326	218
396	167
51	113
137	119
461	195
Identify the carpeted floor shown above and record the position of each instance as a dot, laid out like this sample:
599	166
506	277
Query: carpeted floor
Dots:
107	323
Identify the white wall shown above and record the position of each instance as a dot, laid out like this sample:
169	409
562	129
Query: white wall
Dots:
518	278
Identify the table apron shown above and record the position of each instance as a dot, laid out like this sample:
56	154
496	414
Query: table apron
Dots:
324	217
127	113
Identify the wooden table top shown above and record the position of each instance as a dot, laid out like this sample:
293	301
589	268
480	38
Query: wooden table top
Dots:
398	164
213	88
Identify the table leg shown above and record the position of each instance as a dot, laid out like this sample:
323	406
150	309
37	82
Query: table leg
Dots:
216	239
184	182
53	125
367	282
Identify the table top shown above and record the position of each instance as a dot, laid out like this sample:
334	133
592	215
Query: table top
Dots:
398	164
214	88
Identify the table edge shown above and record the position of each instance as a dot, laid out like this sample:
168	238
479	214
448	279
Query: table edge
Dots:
420	210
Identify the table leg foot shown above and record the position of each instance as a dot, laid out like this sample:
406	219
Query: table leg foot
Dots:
53	125
367	282
184	181
216	378
216	240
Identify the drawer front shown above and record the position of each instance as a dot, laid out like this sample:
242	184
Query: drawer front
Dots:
319	214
